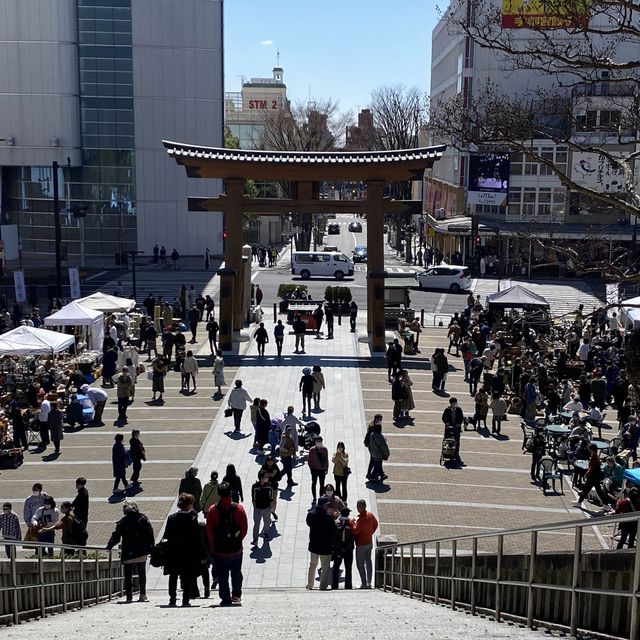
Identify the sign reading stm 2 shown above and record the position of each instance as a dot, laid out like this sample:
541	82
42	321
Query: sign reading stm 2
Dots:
263	104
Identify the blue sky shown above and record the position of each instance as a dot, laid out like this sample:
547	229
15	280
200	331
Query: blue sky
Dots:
340	49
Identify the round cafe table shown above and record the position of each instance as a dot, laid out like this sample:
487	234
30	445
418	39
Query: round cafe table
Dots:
555	433
579	469
603	445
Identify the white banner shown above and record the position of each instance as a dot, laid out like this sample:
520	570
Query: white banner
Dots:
21	289
612	293
594	171
74	282
493	198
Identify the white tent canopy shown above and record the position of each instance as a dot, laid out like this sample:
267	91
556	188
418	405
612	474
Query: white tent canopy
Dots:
31	341
106	303
75	314
630	316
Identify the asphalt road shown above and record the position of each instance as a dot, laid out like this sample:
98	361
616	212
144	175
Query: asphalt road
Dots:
431	301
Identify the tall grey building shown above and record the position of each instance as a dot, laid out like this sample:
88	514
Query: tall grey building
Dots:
96	85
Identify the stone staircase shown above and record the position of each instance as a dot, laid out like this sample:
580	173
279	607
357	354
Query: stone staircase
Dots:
271	614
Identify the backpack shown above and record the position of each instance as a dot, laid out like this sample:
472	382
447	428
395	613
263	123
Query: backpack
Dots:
78	531
226	536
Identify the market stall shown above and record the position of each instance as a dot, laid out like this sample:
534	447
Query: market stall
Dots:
28	341
106	303
526	308
77	315
21	344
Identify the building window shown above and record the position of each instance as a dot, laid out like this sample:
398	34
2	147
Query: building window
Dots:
516	163
460	73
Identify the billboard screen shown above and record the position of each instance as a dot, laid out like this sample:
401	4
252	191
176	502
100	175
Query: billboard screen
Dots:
488	178
544	14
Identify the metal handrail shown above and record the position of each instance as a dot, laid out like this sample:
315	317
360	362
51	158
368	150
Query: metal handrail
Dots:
572	524
14	588
392	556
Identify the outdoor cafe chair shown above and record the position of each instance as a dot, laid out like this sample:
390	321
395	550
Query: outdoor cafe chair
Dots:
549	472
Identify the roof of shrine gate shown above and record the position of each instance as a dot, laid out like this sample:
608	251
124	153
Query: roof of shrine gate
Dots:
215	162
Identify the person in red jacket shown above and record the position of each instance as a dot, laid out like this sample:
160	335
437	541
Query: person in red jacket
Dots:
363	527
227	528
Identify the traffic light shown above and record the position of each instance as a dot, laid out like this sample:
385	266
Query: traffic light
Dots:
224	235
477	241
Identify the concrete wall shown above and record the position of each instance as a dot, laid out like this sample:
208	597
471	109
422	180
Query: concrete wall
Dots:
38	82
178	95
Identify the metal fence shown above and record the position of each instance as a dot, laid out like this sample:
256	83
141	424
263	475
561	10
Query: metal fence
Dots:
591	590
38	586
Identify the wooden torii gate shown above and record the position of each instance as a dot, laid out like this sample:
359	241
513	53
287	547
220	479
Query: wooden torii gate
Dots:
305	170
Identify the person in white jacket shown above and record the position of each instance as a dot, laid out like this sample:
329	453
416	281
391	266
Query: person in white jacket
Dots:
189	371
238	398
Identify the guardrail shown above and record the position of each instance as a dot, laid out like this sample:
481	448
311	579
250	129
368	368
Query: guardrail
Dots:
592	591
35	587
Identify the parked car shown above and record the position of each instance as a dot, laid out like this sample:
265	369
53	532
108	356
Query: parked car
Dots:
356	227
333	228
360	254
452	278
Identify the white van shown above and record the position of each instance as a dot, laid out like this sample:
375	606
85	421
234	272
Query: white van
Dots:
307	264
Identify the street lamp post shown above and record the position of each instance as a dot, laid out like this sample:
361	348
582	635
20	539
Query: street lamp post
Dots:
57	230
133	272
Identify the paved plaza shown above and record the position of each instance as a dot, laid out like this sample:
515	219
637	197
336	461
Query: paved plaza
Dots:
419	500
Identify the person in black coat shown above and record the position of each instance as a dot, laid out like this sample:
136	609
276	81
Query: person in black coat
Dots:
136	533
19	427
318	316
80	503
306	387
263	425
185	551
322	532
343	550
191	484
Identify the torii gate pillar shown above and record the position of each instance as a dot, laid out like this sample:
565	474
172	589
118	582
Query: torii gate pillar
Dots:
231	285
375	264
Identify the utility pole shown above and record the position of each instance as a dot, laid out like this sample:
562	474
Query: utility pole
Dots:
57	229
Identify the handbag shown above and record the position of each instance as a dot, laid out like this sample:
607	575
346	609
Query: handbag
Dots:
346	471
228	412
157	557
31	535
150	375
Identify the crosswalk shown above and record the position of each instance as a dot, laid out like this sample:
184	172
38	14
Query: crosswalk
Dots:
362	268
563	296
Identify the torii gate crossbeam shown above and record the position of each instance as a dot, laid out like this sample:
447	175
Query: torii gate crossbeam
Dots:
306	170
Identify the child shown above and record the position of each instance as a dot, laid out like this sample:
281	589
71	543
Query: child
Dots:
499	410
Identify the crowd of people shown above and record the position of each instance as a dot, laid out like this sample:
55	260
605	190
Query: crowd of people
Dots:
570	374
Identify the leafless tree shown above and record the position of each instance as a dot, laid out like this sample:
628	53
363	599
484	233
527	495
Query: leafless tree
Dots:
590	48
312	126
399	115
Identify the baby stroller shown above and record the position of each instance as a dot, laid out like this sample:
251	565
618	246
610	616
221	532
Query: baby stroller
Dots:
275	434
307	434
449	446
